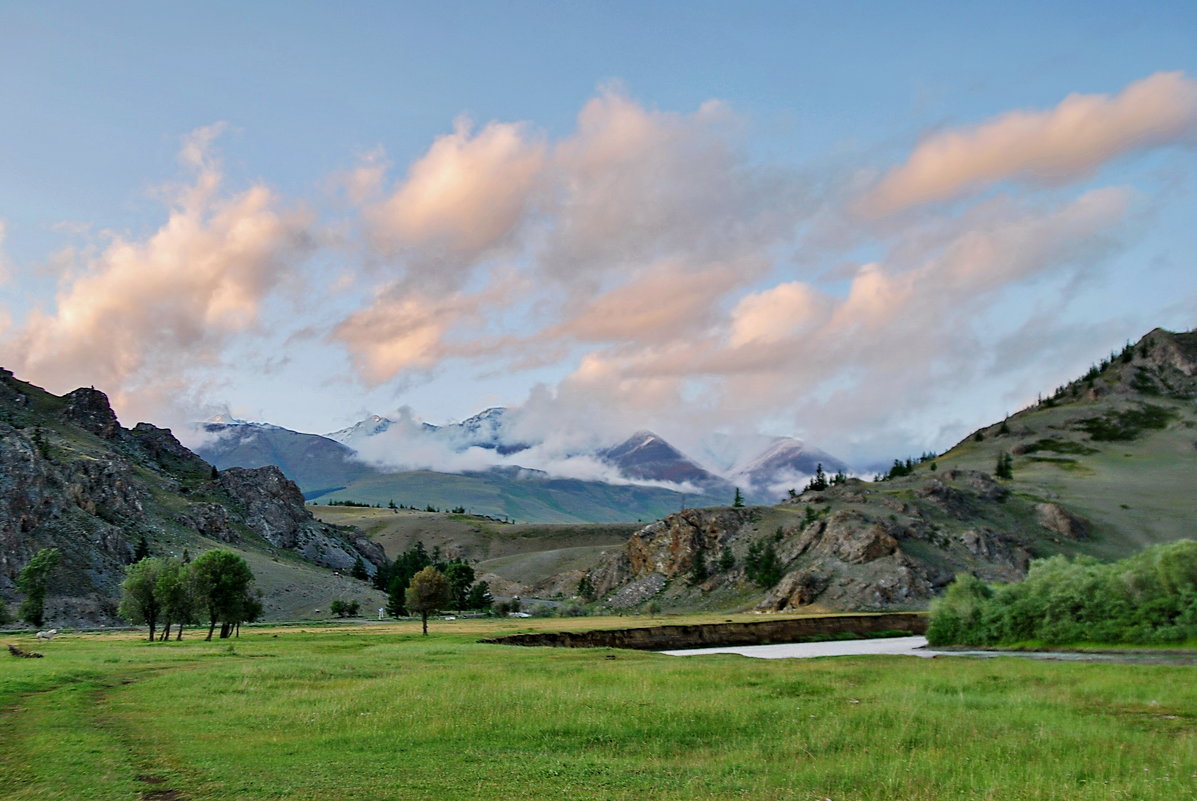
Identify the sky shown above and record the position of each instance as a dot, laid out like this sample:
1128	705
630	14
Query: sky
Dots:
871	226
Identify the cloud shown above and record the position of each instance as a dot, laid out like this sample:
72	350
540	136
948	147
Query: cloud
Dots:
635	186
1042	147
662	302
634	228
402	330
863	360
142	311
460	201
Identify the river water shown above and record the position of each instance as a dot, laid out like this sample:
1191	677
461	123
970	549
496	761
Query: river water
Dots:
917	646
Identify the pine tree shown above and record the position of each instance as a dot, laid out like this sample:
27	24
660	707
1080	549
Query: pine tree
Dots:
738	501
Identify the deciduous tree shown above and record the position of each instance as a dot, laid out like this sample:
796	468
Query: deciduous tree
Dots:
140	602
222	584
32	581
428	593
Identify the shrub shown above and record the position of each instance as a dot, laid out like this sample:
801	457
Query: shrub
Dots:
1147	598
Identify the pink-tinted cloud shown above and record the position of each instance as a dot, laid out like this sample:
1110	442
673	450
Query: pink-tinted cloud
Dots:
665	302
635	186
859	360
1043	147
403	330
142	311
462	199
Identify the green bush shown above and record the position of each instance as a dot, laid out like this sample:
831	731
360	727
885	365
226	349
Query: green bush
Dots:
1147	598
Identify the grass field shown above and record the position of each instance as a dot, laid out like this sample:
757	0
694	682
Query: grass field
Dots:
379	712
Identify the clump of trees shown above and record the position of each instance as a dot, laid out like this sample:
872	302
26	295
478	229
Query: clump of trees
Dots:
218	587
761	565
345	608
1147	598
396	577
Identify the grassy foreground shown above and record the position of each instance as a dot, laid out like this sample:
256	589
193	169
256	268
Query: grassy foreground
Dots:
378	712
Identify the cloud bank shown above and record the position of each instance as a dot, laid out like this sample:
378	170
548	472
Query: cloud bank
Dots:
660	275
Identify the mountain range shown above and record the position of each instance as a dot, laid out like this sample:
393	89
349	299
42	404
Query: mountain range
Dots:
381	459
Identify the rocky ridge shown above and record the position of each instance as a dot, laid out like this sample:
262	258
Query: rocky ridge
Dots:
71	477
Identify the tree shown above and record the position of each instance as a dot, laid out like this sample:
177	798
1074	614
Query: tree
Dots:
222	582
3	612
585	589
141	550
32	581
727	560
359	570
819	482
140	602
428	593
460	576
738	501
1005	466
761	565
479	597
174	594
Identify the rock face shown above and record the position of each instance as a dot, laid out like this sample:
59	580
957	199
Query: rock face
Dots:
848	547
273	509
72	478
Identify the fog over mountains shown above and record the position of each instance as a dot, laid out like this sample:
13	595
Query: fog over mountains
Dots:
501	438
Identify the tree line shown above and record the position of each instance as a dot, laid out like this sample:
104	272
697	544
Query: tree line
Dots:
1150	597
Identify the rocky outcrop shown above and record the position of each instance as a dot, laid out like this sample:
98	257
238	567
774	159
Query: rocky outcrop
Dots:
163	448
1057	520
273	509
89	409
851	546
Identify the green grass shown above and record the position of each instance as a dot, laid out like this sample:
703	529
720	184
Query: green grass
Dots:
382	713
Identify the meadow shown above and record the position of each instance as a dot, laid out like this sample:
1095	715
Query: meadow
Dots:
379	712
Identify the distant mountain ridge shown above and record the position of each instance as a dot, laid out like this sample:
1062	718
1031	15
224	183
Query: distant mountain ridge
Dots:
365	462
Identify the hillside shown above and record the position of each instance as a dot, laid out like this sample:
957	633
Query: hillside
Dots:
1103	466
528	559
71	477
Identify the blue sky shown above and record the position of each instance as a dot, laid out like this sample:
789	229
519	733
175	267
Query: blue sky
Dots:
871	225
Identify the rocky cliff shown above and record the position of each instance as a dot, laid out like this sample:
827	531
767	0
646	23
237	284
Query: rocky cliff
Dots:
71	477
1105	465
